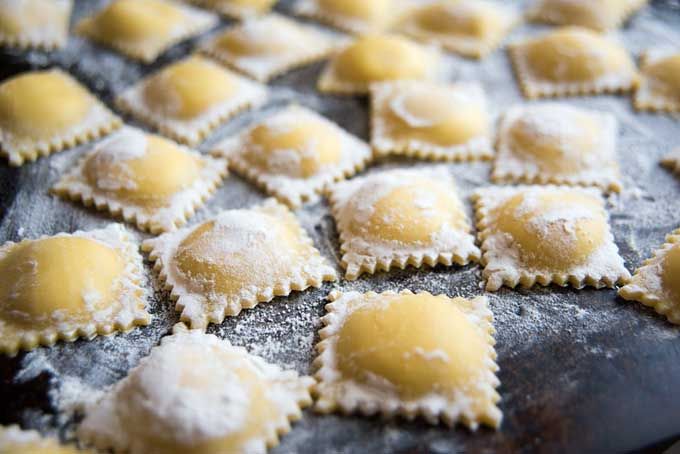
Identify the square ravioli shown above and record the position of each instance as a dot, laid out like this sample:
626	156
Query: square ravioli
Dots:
600	15
546	235
672	161
400	217
196	393
471	28
659	87
236	260
144	29
146	179
657	282
557	143
42	112
68	286
378	58
35	24
405	354
428	120
237	9
572	61
354	16
294	154
266	47
188	99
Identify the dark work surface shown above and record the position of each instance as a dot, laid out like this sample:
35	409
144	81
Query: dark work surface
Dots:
581	371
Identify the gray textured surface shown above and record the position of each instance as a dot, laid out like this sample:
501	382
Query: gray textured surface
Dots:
580	370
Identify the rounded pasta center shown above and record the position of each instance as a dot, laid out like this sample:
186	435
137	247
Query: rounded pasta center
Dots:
58	279
239	252
360	9
42	104
590	14
147	169
575	55
262	39
299	150
259	5
464	18
553	231
412	213
189	88
665	76
379	58
418	344
670	276
136	20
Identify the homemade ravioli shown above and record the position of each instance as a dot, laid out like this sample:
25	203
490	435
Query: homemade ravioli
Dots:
430	120
144	29
398	218
572	61
42	112
196	393
471	28
188	99
353	16
657	282
377	58
600	15
29	24
13	440
237	9
557	143
544	235
405	354
148	180
659	88
236	260
265	47
294	154
68	286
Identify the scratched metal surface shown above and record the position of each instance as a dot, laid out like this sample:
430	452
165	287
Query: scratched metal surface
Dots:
581	371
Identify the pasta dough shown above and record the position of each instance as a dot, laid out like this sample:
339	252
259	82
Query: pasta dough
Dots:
600	15
659	88
29	24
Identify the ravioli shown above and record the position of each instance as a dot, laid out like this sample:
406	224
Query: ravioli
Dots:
378	58
188	99
672	161
471	28
266	47
13	440
659	88
600	15
43	112
238	9
236	260
68	286
447	122
150	181
294	154
353	16
144	29
196	393
406	354
572	61
557	143
546	235
35	24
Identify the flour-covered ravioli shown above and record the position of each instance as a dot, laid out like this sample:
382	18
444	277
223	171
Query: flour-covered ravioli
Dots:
657	282
42	112
197	394
546	235
405	354
557	143
146	179
398	218
237	9
34	24
265	47
67	286
471	28
378	58
353	16
144	29
188	99
294	154
236	260
672	161
659	87
571	61
13	440
600	15
430	120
